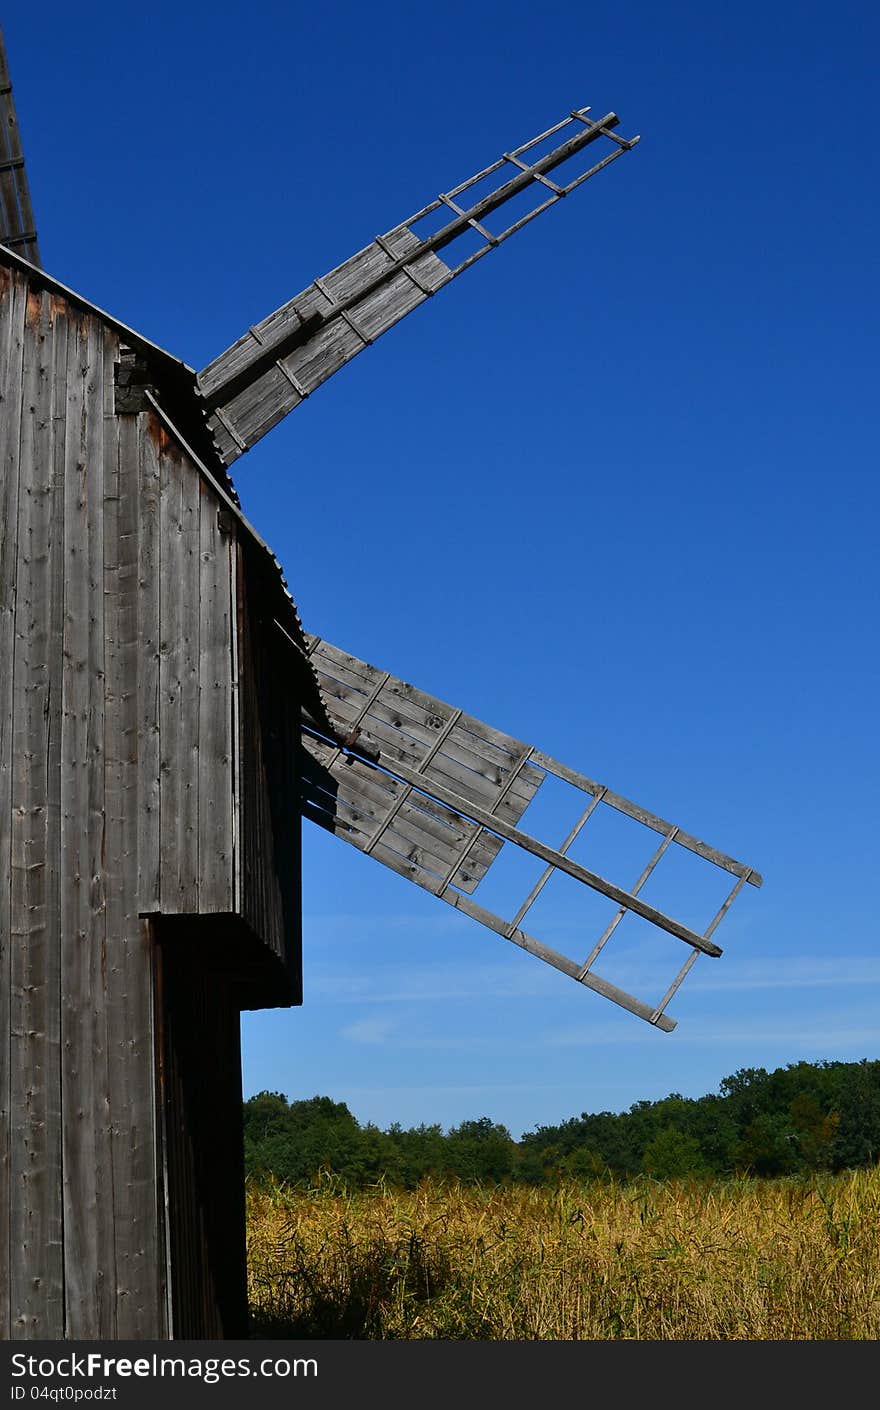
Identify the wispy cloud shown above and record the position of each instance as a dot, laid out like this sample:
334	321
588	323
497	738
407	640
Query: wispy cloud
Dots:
330	928
525	978
808	972
368	1030
803	1038
432	983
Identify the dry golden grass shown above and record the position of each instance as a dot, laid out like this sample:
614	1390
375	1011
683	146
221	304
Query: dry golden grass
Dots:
740	1259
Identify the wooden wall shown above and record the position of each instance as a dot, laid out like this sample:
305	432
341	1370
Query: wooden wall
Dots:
120	746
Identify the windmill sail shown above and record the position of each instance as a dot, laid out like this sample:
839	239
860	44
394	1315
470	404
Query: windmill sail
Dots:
279	362
434	794
17	228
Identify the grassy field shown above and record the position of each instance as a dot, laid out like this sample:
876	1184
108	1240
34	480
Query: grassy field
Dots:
779	1260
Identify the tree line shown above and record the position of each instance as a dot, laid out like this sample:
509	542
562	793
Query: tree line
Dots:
800	1118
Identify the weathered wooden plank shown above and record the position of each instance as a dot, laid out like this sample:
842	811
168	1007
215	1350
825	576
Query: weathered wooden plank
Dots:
128	968
189	617
406	866
362	798
214	709
483	781
423	724
344	281
60	345
148	679
85	1080
35	1215
12	319
270	393
178	693
361	786
172	728
102	1314
481	741
118	663
363	821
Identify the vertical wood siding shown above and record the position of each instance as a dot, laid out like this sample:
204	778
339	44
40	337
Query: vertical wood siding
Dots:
119	746
11	364
35	1215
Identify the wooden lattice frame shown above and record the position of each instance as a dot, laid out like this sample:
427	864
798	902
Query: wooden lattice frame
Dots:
404	766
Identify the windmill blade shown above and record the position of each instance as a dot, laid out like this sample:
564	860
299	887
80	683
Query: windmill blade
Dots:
281	361
17	228
434	795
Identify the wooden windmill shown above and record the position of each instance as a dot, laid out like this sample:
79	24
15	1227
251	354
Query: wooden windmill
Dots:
165	721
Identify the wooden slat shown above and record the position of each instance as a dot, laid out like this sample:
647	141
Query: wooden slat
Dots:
477	740
364	785
172	724
35	1215
474	760
189	617
215	711
394	745
358	806
54	896
12	319
87	1146
118	662
128	970
148	679
179	684
275	330
413	730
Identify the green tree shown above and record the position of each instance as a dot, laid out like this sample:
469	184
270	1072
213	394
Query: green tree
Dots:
768	1146
673	1154
480	1150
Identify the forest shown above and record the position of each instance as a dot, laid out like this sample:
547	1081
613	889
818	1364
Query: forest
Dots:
805	1117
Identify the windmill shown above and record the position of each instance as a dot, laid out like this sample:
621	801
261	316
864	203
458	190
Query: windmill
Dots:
165	721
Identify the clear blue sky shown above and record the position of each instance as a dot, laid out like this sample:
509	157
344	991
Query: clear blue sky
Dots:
615	491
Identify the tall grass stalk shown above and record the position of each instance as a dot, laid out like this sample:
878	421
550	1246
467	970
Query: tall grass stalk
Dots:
740	1259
